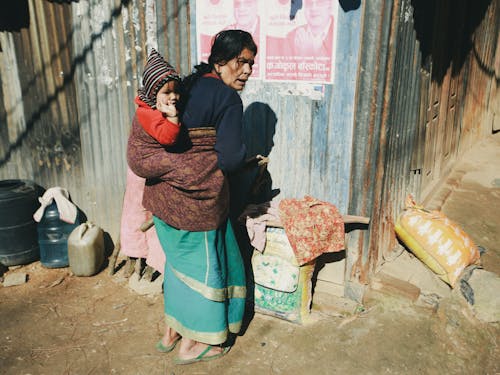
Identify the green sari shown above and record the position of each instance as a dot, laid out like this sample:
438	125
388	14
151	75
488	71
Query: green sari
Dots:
204	282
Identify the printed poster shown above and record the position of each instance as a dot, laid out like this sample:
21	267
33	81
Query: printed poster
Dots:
296	40
213	16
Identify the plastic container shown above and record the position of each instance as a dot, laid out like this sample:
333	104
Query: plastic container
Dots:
18	234
53	236
86	249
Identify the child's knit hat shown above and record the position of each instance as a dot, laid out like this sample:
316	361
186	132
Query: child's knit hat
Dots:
157	72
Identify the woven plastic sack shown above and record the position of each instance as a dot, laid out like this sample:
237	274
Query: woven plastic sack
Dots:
283	289
437	241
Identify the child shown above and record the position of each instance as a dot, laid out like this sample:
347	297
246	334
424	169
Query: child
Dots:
157	99
158	116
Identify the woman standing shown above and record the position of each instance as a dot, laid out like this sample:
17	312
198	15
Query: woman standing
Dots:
187	191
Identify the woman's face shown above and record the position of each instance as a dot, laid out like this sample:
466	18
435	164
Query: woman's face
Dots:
235	72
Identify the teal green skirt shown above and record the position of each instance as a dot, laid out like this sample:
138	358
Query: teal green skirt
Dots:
204	282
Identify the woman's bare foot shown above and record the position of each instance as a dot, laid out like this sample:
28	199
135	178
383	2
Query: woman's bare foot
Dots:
191	349
170	337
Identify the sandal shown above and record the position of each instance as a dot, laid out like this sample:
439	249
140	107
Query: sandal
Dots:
202	357
167	349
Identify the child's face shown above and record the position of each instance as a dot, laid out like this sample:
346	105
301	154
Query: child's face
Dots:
168	94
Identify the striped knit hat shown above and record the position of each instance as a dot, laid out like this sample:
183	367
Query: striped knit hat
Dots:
157	72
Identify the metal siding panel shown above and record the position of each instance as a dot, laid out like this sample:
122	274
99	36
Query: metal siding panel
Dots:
47	151
4	135
337	187
321	150
184	58
368	150
171	32
165	37
191	19
11	162
313	147
89	45
114	59
413	184
312	141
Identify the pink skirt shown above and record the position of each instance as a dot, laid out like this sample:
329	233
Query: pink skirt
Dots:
134	242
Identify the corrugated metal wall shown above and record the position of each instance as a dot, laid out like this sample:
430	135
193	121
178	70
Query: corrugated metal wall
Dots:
111	40
69	74
39	128
415	111
411	78
481	111
309	143
308	140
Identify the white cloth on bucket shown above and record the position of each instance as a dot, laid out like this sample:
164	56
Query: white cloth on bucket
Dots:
67	209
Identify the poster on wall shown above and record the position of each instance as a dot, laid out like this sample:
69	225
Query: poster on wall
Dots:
296	39
213	16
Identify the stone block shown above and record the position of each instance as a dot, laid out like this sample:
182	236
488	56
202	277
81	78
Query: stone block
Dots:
14	279
391	285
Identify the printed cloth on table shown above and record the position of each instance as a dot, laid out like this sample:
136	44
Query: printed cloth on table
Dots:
67	209
313	227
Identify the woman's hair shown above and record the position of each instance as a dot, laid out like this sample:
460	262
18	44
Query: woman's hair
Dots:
227	45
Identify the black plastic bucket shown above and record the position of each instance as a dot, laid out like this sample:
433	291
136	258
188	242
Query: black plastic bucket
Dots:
18	229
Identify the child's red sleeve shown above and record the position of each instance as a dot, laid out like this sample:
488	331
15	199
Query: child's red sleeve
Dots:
157	126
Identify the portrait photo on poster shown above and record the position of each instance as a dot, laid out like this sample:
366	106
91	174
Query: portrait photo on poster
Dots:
213	16
295	38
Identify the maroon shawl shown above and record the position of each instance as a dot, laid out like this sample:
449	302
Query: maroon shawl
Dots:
184	187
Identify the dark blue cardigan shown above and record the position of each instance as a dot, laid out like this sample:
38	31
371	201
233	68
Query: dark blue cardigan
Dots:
210	102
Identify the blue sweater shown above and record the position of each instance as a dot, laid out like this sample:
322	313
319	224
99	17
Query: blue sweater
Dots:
211	102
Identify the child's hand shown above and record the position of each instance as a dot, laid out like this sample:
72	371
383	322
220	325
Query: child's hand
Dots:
166	99
168	109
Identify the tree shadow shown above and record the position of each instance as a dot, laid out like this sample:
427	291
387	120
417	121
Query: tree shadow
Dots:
14	16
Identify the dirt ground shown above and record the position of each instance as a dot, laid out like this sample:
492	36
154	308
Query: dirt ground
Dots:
57	323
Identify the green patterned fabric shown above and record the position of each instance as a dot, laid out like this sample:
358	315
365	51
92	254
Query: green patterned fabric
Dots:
204	282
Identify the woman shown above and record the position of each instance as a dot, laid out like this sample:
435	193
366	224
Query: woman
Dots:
187	192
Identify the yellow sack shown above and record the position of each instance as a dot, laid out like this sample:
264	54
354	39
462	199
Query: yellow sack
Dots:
437	241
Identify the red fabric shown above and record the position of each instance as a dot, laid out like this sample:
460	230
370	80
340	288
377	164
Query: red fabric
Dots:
213	75
313	227
156	125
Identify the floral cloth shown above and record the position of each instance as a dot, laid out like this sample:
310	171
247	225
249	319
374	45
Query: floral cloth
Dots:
313	227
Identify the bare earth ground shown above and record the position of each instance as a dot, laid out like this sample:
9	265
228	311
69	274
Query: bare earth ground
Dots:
57	323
